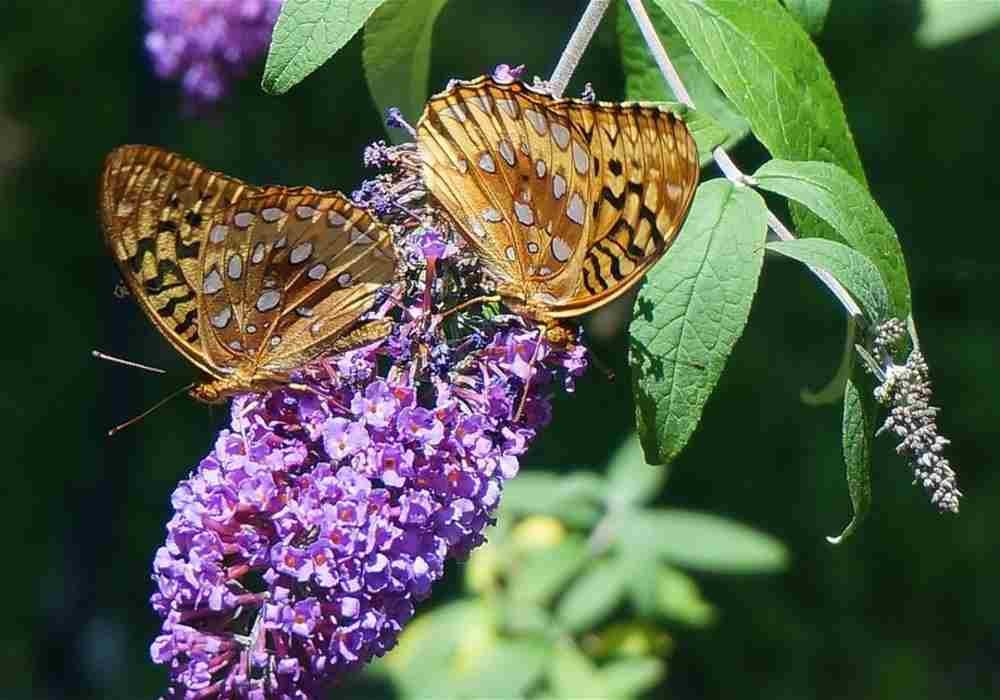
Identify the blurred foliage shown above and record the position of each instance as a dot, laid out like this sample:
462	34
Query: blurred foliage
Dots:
906	608
945	21
574	609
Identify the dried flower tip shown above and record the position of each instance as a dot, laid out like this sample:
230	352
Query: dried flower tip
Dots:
906	389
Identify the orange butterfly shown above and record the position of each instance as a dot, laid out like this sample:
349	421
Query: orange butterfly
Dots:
567	202
249	283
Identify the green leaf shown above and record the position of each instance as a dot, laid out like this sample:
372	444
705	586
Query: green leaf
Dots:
704	541
307	34
946	21
679	598
434	638
507	669
575	498
811	14
572	675
768	66
859	429
716	122
630	678
545	572
630	480
593	595
397	55
836	197
856	272
691	312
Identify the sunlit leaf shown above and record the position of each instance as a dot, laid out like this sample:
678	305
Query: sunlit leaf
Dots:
307	34
630	678
397	56
946	21
852	269
765	62
574	498
593	595
811	14
630	480
704	541
545	572
691	312
572	675
716	121
836	197
679	598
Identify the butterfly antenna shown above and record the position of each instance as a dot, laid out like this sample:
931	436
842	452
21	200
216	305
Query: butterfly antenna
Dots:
128	363
118	428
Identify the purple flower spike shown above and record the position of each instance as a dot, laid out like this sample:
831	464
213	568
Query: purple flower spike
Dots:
301	543
206	44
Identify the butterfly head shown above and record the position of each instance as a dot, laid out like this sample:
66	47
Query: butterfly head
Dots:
240	382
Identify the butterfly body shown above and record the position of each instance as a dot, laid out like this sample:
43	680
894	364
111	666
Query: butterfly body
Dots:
567	202
249	283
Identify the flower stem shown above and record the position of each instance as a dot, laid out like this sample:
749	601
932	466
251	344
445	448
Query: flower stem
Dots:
722	159
578	43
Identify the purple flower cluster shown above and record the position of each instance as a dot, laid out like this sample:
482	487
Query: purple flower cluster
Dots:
300	544
207	43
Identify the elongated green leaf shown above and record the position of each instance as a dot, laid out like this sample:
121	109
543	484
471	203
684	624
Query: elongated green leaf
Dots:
630	480
436	637
852	269
545	572
691	312
768	66
397	56
572	675
811	14
836	197
946	21
679	598
505	669
706	542
575	498
859	429
716	121
307	34
593	595
630	678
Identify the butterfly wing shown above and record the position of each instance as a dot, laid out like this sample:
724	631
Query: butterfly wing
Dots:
237	276
568	202
153	206
288	272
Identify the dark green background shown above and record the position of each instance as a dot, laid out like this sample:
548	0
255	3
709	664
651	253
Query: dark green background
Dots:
906	609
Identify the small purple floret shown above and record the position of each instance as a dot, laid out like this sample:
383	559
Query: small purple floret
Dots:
206	44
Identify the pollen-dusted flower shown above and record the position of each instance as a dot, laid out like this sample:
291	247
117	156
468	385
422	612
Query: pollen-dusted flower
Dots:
206	44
